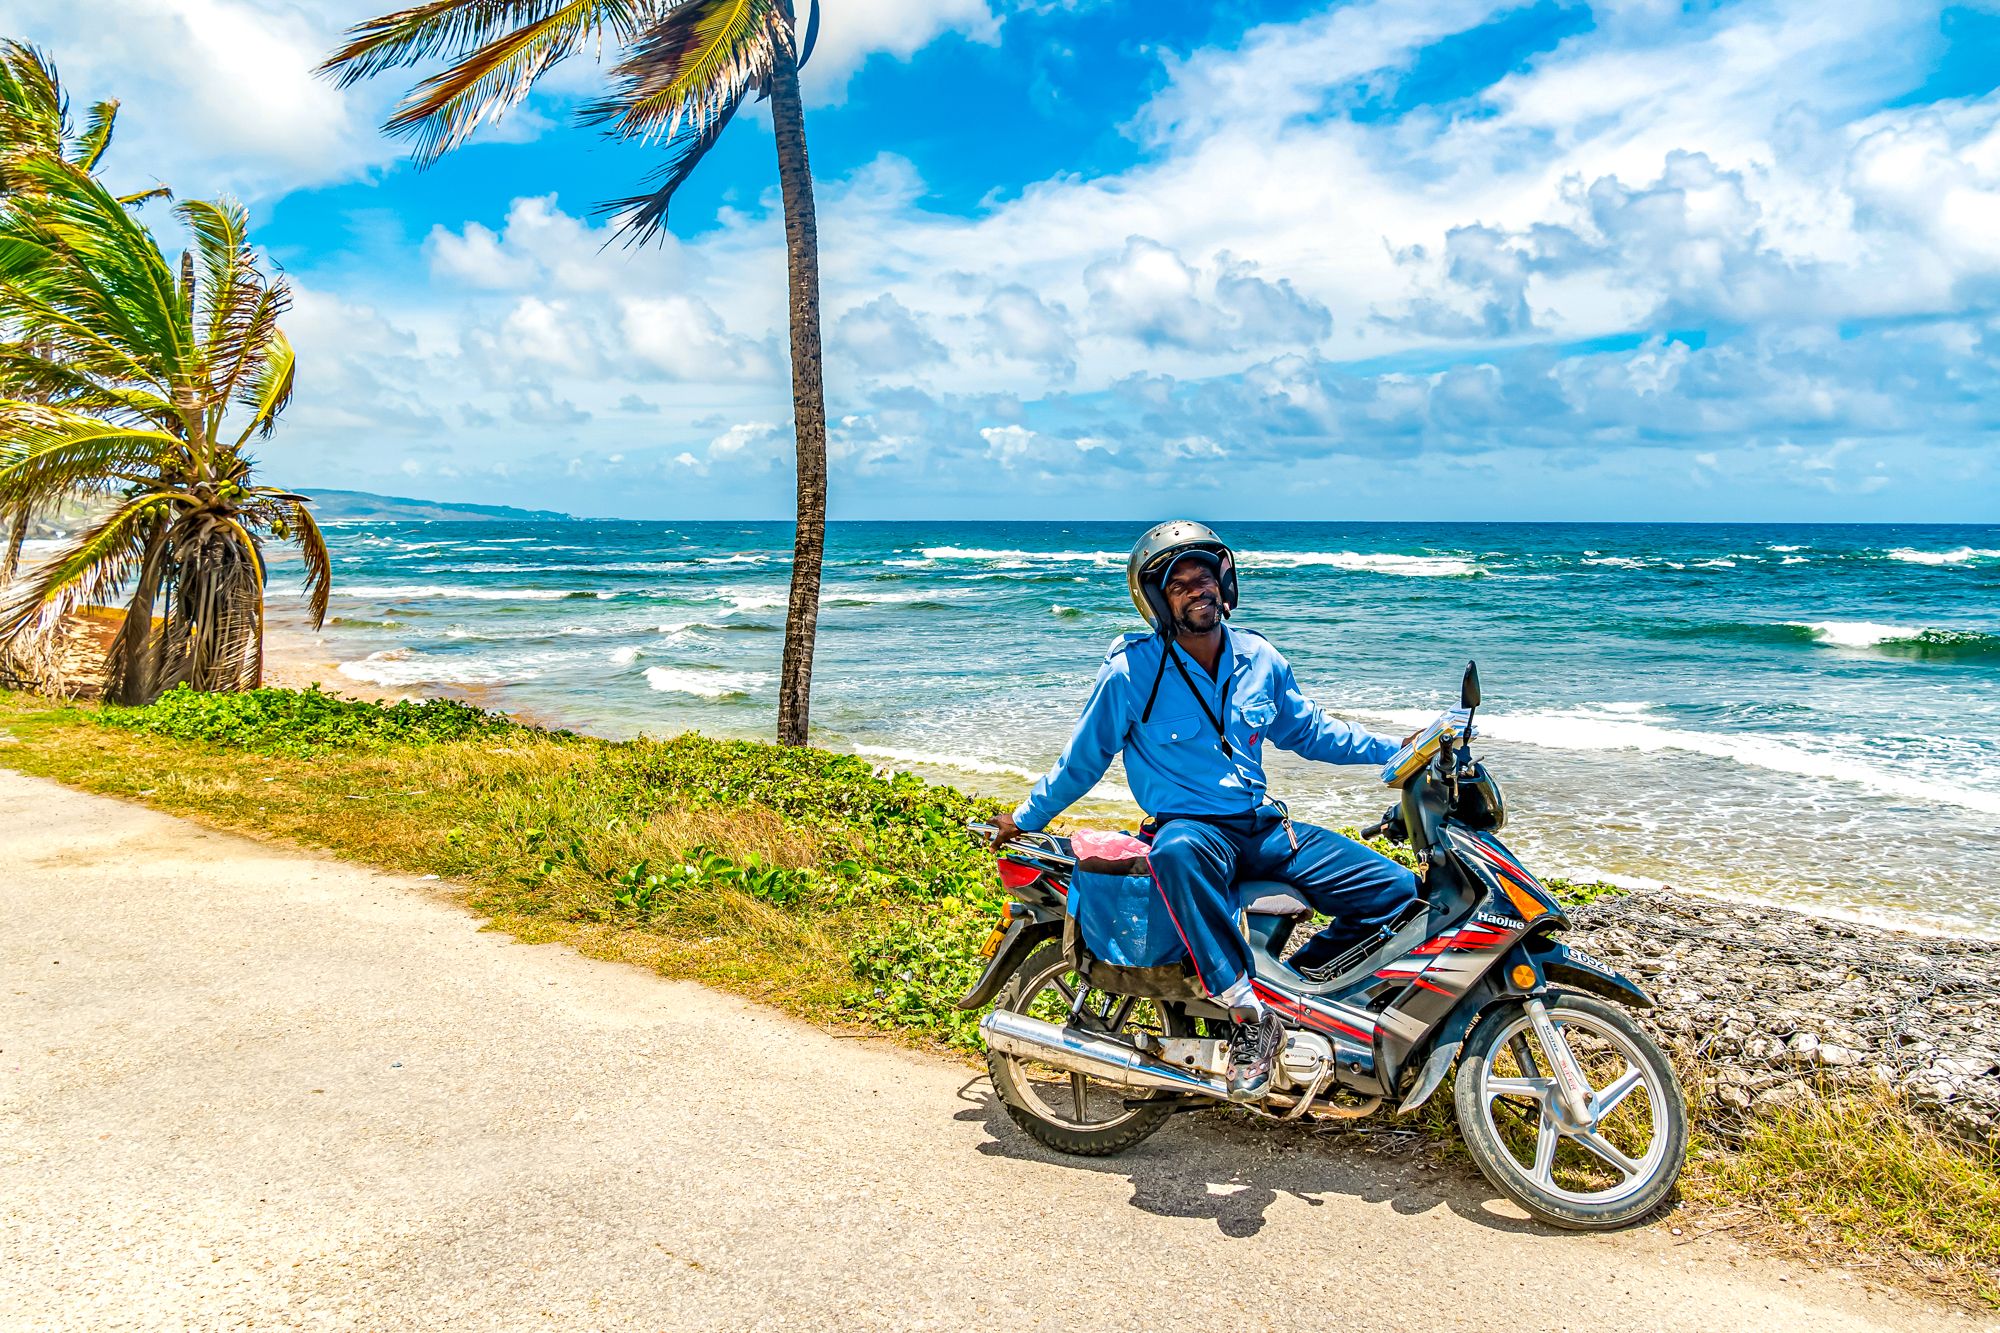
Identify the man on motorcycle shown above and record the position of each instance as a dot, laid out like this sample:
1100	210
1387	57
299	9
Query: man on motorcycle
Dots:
1191	706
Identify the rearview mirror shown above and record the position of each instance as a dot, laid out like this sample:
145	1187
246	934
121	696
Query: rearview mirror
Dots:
1468	690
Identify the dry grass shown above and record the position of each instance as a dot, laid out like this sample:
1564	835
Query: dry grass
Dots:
1859	1181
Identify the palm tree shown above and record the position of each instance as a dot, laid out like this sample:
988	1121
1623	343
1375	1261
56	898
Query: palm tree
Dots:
118	375
34	116
683	70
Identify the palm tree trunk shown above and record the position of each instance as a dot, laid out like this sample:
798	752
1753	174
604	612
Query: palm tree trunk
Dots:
132	666
808	396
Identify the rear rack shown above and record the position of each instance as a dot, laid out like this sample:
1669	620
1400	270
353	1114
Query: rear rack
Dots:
1044	849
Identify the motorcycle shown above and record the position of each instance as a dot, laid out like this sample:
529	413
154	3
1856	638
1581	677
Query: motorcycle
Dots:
1565	1103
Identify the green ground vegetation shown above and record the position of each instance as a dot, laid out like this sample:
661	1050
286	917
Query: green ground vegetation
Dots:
809	880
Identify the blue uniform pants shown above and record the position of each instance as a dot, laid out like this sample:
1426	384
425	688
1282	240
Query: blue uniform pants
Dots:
1196	863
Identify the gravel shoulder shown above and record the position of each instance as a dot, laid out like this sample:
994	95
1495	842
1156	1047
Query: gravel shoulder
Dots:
242	1086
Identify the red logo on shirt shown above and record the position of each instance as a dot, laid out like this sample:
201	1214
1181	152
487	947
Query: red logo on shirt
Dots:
1253	737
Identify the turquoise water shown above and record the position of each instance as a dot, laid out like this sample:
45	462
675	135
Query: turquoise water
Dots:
1802	714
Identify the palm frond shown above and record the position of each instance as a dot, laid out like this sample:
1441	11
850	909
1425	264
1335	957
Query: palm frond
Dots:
66	243
75	457
442	112
302	529
90	146
153	192
812	33
692	64
27	373
237	306
34	114
270	389
643	217
411	36
89	573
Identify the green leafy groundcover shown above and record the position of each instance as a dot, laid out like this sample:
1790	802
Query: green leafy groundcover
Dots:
305	722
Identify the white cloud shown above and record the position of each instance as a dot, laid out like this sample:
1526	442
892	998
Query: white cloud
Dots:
749	444
476	259
216	95
884	337
1020	325
853	30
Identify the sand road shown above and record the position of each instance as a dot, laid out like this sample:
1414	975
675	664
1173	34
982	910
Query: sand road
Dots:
244	1087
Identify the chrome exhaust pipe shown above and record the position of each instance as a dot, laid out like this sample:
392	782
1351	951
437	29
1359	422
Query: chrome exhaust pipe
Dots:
1083	1053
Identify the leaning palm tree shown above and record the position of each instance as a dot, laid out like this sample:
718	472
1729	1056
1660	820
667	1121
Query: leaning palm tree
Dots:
683	69
140	385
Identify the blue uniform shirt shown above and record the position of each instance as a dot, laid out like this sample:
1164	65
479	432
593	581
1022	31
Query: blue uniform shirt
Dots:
1174	759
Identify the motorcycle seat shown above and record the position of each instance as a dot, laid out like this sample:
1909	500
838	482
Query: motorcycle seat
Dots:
1270	897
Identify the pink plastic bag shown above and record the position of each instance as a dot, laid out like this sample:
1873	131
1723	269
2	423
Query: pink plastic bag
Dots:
1110	853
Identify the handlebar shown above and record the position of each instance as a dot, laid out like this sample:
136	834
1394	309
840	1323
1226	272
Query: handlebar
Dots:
1373	830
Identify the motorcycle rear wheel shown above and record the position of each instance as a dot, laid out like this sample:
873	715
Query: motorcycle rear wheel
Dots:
1582	1175
1074	1113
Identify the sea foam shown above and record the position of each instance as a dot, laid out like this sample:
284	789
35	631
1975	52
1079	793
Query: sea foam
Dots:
704	684
1964	555
405	590
960	763
1366	562
1591	729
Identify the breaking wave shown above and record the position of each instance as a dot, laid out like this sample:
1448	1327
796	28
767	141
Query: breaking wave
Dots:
1361	562
1592	729
399	591
959	763
705	683
1904	640
406	666
1963	555
1024	558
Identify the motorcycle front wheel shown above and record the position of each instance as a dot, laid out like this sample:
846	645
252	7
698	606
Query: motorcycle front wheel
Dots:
1070	1112
1594	1170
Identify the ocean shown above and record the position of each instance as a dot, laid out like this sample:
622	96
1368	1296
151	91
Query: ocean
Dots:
1805	715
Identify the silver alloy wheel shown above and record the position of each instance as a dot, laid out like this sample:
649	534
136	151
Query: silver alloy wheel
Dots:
1531	1087
1071	1100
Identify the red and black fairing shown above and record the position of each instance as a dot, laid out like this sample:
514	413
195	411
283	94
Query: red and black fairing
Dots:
1509	905
1377	1024
1343	1022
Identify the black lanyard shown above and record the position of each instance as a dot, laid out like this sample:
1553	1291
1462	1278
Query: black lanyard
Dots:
1202	702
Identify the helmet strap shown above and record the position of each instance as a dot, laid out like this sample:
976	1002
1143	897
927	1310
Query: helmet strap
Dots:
1166	649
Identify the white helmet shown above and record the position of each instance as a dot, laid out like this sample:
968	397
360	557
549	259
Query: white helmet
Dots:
1156	552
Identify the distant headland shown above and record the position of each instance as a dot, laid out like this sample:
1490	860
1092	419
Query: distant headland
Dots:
354	506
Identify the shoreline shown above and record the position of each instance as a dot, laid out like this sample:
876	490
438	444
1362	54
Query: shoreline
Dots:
298	658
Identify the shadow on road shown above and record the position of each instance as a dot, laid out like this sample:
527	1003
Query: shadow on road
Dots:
1227	1167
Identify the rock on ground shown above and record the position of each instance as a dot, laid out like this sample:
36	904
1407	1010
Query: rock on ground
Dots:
1776	1006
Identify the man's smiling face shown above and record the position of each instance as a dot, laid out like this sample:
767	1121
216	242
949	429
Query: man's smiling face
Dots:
1194	597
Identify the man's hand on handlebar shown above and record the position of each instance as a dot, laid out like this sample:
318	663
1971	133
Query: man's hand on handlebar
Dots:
1005	830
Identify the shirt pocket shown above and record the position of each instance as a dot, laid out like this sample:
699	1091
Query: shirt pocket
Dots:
1253	718
1175	730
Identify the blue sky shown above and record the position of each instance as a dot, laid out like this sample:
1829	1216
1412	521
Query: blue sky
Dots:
1429	258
